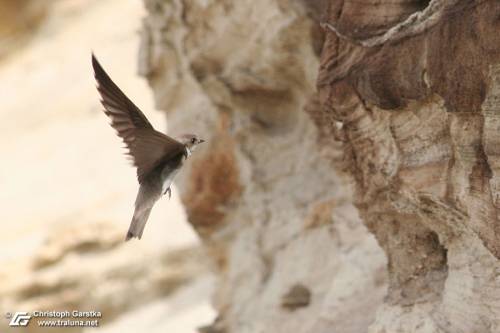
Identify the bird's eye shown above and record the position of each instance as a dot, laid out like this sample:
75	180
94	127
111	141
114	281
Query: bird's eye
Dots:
193	140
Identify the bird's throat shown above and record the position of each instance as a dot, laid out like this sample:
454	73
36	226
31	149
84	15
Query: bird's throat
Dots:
188	152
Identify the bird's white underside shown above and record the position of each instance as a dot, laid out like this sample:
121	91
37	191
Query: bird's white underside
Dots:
168	181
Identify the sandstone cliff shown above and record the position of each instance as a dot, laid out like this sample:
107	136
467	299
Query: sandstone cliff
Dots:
384	122
275	214
416	95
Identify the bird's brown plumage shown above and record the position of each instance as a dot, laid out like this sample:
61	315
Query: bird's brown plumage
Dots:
145	145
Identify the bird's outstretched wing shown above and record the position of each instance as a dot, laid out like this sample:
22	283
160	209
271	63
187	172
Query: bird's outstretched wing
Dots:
145	145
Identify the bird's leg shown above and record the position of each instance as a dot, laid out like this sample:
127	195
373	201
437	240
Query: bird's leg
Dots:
169	191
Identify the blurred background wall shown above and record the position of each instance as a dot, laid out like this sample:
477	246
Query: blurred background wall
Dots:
67	190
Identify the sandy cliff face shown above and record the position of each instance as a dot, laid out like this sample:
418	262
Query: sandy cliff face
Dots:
276	216
407	105
415	89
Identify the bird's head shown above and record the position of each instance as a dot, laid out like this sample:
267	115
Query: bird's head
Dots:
190	141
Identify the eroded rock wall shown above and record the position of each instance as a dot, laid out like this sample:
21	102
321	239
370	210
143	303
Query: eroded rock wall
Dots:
415	92
265	193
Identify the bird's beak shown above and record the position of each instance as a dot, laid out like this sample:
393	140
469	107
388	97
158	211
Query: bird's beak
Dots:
201	141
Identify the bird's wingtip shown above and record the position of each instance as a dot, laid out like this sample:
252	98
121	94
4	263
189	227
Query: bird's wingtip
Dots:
95	63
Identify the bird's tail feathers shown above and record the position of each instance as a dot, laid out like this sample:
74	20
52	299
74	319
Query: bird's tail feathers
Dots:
138	223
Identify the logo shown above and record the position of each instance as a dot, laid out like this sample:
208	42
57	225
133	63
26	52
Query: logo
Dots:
20	319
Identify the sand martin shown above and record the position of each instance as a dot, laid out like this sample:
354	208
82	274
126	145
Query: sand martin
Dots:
156	156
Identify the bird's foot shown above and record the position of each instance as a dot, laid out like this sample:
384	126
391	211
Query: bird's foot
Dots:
169	191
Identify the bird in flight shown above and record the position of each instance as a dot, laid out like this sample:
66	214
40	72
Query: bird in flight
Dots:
156	156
